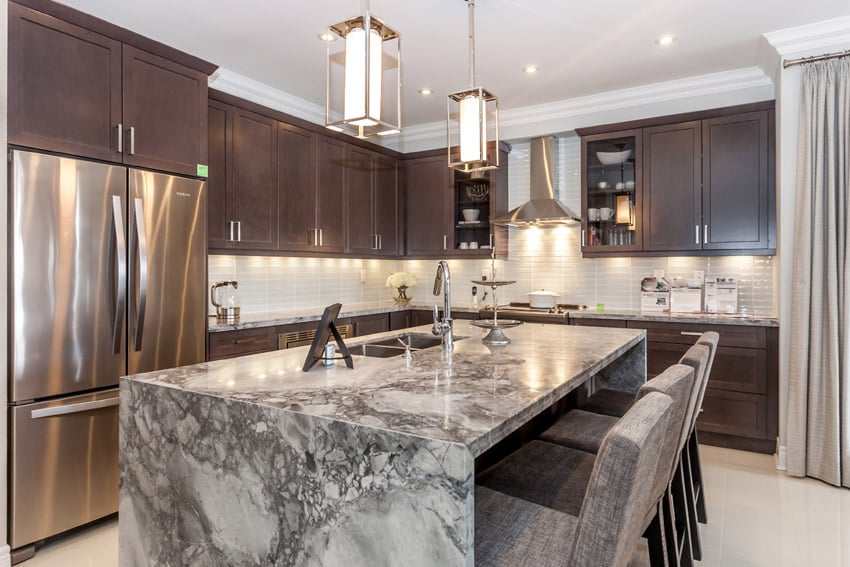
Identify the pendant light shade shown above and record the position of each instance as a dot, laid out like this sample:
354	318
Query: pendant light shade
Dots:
363	78
473	119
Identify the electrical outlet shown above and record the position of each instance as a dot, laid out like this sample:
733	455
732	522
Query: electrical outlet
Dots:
658	274
363	276
699	275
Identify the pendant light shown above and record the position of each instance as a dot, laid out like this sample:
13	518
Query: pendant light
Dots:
363	72
472	114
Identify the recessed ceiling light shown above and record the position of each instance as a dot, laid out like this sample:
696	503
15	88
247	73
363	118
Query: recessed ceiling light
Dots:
327	36
531	69
665	40
425	91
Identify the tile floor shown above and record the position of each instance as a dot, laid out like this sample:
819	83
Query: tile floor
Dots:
757	517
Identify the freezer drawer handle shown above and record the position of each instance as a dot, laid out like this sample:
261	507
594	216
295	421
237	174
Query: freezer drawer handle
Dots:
74	408
121	254
143	272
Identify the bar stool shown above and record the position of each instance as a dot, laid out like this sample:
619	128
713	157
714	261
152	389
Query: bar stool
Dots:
517	532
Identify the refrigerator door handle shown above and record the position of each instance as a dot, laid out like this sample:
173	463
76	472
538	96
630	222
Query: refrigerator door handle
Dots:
141	242
74	408
121	256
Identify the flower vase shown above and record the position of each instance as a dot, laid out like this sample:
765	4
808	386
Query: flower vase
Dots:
400	296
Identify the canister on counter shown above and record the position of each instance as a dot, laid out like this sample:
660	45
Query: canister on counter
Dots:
329	359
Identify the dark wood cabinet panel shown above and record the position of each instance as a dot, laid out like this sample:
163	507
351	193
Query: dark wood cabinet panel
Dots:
371	324
400	320
734	369
64	86
254	190
218	118
598	322
733	413
330	195
735	181
672	187
429	217
296	165
386	197
744	336
230	344
361	202
164	112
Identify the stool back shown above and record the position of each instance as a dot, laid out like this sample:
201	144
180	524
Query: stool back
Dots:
615	503
710	340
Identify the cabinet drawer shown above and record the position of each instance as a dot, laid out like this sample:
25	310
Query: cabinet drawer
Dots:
598	322
228	344
734	413
683	333
734	369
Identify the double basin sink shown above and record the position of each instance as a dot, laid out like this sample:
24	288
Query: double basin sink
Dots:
387	348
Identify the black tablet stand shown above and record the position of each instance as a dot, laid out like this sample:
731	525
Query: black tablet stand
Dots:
323	333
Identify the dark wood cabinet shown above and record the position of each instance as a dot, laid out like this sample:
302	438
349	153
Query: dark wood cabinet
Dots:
330	195
400	320
735	199
64	86
371	324
672	192
429	216
218	120
230	344
296	187
165	113
242	182
740	409
707	182
75	91
372	182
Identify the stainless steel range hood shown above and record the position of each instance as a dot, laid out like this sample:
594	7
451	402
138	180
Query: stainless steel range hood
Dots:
543	209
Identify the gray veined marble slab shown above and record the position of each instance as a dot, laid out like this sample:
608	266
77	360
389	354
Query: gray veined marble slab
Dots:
252	462
703	318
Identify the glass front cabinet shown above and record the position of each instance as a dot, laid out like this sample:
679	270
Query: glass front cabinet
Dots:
611	193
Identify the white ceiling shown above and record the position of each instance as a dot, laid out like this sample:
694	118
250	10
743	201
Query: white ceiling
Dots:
582	48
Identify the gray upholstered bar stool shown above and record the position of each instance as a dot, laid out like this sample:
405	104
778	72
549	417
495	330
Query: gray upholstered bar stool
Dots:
516	532
557	476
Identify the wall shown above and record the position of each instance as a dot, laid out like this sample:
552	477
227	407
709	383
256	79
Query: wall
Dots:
538	258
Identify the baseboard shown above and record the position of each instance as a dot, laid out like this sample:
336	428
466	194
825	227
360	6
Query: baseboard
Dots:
781	457
5	556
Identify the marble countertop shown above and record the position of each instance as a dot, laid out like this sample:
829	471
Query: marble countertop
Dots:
705	318
474	396
273	318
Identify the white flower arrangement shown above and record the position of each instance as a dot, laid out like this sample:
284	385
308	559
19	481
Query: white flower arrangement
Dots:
402	279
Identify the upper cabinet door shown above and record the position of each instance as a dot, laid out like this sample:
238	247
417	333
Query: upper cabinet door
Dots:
672	196
362	236
735	181
296	181
429	221
165	114
386	180
64	86
330	195
218	182
254	190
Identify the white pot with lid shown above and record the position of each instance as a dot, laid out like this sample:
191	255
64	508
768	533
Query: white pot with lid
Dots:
542	299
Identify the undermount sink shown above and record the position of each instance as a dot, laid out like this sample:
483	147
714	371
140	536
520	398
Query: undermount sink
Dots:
386	348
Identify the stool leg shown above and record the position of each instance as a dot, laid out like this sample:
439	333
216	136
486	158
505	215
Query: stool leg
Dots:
655	539
671	537
682	524
696	468
690	502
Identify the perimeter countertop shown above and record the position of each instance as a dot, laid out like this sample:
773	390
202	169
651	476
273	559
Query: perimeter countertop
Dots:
704	318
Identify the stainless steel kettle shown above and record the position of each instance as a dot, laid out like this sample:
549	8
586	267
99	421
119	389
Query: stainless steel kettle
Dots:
225	298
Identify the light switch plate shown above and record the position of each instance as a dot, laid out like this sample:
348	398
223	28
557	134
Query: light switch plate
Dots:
658	274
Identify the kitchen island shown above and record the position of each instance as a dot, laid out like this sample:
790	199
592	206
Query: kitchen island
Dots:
251	461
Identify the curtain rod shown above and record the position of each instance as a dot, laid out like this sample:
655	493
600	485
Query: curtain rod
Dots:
789	62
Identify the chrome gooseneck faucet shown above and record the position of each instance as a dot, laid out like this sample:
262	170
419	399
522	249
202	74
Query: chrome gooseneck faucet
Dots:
444	327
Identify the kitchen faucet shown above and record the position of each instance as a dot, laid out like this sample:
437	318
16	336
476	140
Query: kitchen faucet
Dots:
444	327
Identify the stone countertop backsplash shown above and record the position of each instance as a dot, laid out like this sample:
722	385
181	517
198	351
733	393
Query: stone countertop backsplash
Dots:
704	318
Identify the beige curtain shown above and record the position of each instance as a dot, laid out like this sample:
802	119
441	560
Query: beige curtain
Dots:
818	430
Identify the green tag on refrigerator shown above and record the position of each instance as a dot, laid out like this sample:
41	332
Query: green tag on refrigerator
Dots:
203	170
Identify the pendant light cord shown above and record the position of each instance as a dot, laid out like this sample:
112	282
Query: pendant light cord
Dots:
471	4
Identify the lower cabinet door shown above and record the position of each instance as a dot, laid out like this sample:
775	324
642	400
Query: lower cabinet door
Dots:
734	413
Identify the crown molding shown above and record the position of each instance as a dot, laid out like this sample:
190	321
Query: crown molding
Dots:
260	93
811	37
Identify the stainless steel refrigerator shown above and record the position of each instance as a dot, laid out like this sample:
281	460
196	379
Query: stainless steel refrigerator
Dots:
107	274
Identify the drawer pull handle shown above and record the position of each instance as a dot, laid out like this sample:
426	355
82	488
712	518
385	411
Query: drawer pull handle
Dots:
246	341
691	333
